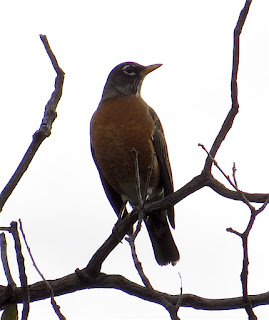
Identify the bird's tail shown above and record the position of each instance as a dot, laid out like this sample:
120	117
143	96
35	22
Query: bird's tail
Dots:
164	247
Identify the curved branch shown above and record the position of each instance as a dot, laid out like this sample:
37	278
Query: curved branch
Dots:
203	180
72	283
234	195
227	124
22	270
192	186
43	132
120	229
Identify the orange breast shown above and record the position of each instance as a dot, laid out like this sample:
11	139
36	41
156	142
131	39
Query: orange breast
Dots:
118	126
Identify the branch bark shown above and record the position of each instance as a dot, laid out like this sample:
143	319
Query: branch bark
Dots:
73	282
44	130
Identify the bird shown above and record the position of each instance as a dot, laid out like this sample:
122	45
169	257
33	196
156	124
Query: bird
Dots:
129	149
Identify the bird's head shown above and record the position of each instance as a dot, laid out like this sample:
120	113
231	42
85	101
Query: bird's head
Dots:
126	79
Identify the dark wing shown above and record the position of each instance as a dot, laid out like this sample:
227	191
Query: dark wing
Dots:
114	197
163	161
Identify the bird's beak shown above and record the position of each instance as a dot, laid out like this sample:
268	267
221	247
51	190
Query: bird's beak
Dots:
148	69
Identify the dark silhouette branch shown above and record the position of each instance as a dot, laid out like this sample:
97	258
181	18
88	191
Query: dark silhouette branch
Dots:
72	282
120	229
4	259
55	306
233	195
194	185
244	235
172	309
39	136
43	132
203	180
22	271
234	90
244	273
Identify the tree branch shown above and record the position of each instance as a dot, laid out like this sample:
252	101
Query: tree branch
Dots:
120	229
203	180
235	105
55	306
72	283
4	259
22	272
43	132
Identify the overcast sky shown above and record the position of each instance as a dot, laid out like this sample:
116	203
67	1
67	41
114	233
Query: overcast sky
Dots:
60	200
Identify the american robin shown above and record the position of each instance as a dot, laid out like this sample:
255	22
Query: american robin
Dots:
127	141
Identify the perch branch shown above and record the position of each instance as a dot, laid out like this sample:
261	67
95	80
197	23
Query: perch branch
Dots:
72	283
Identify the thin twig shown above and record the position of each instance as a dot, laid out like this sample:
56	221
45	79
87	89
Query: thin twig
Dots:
22	271
262	207
4	258
244	273
227	124
139	224
138	264
234	176
239	234
11	309
233	184
181	292
243	236
53	302
42	133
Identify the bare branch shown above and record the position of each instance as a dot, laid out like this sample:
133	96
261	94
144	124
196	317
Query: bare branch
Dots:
72	283
234	232
244	272
138	264
233	184
243	236
235	106
42	133
53	302
203	180
22	271
233	195
10	280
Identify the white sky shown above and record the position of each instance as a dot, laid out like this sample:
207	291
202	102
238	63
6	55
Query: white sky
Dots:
60	200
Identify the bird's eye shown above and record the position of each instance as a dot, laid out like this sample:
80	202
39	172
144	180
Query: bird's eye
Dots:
128	69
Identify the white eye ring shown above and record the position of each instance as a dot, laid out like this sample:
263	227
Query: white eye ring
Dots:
130	72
